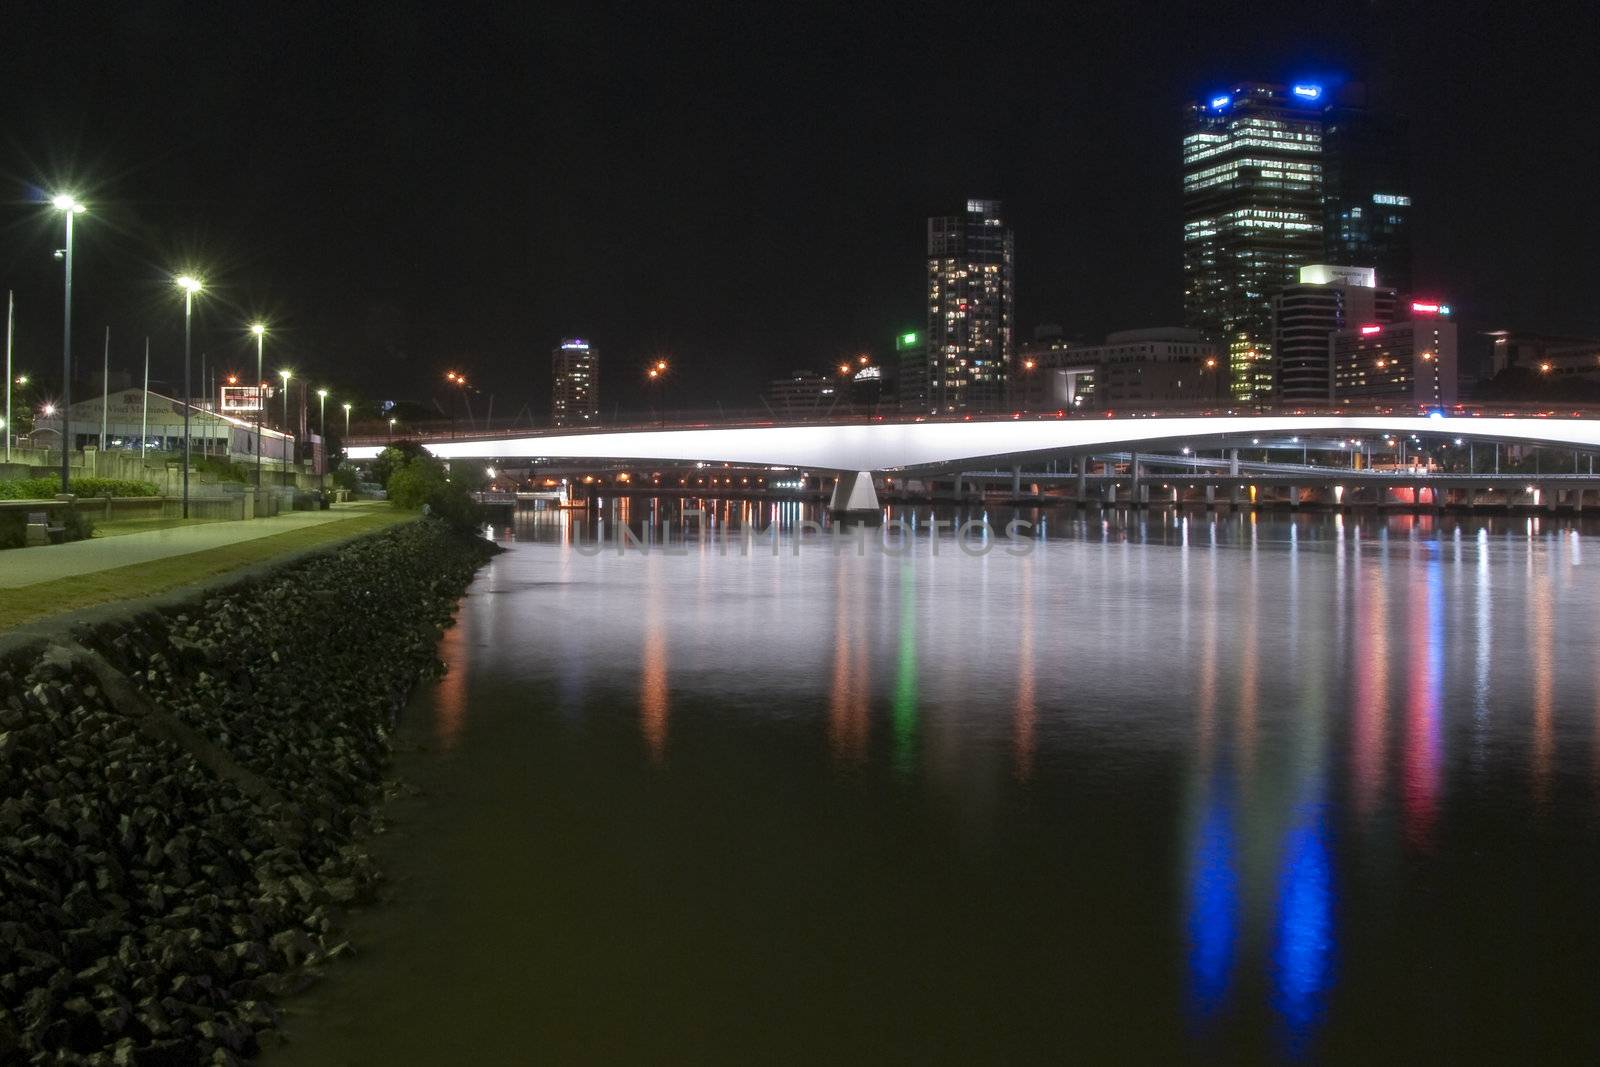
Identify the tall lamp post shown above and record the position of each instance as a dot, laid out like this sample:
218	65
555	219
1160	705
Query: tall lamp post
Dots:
11	308
260	330
286	375
322	431
190	286
69	206
347	423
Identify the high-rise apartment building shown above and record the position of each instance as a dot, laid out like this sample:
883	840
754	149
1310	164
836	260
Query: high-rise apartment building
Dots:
1252	217
575	394
1325	300
970	309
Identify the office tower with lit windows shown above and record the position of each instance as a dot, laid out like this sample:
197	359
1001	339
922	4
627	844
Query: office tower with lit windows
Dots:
1366	187
1252	216
1325	300
575	394
970	309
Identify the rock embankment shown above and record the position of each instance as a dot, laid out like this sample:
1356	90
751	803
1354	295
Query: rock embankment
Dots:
183	793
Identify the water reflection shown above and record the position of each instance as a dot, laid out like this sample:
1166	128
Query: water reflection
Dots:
654	694
1248	781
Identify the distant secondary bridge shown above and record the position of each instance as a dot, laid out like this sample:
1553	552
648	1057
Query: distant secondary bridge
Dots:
858	450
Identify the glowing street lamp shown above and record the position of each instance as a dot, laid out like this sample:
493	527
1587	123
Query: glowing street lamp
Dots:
190	286
286	375
322	431
260	331
347	422
71	207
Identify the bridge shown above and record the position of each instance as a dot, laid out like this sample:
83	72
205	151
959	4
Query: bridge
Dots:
857	451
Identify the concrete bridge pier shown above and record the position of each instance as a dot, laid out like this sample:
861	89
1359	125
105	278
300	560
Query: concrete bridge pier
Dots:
1016	481
854	496
1083	479
1211	496
1294	497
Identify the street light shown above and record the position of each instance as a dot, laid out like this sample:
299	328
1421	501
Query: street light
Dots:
322	431
286	375
260	330
190	286
71	207
347	423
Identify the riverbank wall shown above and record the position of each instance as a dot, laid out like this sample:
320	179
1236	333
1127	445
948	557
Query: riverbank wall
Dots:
184	788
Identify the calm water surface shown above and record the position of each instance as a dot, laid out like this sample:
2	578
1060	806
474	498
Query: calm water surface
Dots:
1215	789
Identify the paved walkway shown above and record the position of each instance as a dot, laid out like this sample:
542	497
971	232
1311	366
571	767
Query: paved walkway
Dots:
28	566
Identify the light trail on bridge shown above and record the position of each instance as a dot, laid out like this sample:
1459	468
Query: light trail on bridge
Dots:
935	445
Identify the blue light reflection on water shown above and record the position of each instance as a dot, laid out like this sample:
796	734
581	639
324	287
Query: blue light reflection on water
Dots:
1213	907
1305	933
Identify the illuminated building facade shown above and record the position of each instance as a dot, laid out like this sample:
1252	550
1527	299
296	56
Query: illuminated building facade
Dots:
1325	300
1409	363
801	394
1253	216
575	395
1165	368
1559	356
970	309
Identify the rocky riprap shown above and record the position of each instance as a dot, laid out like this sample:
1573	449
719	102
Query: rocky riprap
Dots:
183	793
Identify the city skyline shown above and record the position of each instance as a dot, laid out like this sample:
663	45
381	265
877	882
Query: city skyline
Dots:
267	194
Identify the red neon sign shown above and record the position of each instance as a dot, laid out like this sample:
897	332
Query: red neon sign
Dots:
1369	330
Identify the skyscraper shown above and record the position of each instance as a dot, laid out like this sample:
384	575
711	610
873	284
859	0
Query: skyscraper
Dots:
1366	188
575	395
970	316
1252	217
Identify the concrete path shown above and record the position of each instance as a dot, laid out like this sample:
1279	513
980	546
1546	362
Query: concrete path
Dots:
28	566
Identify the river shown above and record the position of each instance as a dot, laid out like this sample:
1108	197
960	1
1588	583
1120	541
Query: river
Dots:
1129	787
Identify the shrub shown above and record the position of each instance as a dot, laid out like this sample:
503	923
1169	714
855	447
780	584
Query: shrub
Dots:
222	468
47	488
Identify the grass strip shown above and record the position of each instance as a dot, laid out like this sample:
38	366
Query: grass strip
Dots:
31	602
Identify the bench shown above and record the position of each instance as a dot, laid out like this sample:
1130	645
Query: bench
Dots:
41	532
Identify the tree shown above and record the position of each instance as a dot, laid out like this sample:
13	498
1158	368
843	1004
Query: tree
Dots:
393	458
414	482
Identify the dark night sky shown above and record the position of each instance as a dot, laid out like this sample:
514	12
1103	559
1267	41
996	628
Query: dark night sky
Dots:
741	186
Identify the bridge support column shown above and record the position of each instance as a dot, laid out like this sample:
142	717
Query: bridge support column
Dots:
1294	497
1083	479
1016	481
1211	496
854	496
